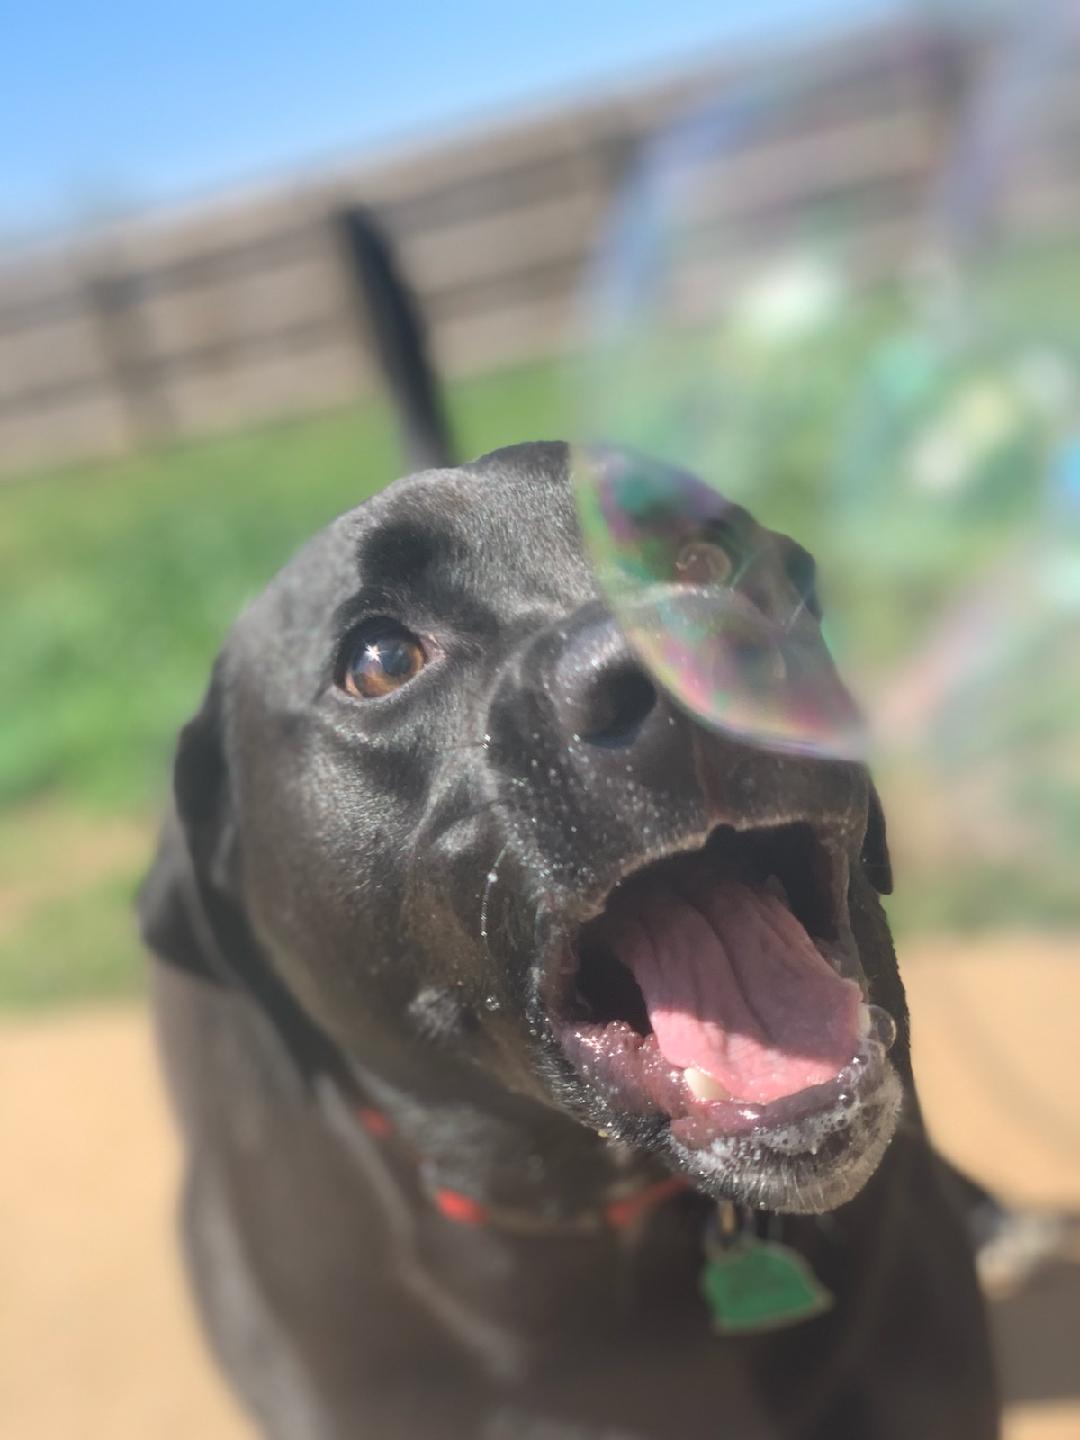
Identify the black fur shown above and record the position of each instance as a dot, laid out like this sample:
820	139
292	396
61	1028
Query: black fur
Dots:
324	898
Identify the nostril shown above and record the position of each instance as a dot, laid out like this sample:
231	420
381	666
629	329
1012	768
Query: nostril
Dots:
617	705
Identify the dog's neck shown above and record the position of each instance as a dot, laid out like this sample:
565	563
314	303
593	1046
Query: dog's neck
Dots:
465	1131
510	1156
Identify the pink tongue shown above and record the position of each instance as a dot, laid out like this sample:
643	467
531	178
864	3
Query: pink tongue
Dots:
734	987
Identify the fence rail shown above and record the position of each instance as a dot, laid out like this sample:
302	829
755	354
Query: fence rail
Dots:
240	312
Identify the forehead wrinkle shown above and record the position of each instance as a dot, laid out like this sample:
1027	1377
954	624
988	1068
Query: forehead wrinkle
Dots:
480	580
401	552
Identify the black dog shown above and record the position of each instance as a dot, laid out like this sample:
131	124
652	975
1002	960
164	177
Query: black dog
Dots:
501	995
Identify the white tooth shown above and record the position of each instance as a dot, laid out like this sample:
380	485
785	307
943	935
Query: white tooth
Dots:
774	886
704	1086
864	1020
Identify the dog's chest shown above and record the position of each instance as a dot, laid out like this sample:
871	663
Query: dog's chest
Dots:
543	1298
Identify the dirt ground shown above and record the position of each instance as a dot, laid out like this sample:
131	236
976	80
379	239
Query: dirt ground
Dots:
96	1337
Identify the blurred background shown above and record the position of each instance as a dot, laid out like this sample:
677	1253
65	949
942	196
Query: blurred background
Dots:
187	390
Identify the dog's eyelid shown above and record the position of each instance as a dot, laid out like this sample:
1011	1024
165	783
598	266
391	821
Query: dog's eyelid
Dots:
362	609
723	530
357	672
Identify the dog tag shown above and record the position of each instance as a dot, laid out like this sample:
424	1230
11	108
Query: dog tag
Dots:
752	1286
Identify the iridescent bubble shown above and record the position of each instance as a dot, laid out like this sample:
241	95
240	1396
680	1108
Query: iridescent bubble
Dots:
816	313
722	611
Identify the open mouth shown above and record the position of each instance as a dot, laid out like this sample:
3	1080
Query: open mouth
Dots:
721	987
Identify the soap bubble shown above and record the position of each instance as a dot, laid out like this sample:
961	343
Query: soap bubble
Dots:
814	307
713	604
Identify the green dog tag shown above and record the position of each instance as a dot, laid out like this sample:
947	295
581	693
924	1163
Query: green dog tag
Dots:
758	1285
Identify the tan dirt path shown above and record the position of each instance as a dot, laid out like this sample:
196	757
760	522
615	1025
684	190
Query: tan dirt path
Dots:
96	1335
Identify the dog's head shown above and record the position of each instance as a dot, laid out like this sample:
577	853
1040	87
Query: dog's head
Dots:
432	791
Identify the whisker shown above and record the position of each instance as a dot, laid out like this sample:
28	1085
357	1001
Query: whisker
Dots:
793	617
492	876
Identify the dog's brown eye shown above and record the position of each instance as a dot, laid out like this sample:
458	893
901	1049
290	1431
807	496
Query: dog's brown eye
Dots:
704	562
381	658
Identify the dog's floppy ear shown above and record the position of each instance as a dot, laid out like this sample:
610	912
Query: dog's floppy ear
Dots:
875	848
801	570
191	909
176	914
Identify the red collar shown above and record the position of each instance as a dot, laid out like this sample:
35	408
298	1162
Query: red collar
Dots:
617	1214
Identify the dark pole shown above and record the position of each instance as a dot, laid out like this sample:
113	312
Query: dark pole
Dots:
391	327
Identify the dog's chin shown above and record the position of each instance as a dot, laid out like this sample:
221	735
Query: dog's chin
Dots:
784	1161
714	1008
803	1167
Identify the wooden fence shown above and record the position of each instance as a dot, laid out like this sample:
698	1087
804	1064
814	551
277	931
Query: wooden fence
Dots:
240	312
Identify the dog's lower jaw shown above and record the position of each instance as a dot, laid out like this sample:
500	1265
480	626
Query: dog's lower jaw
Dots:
805	1169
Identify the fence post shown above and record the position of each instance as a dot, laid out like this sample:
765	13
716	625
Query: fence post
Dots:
113	298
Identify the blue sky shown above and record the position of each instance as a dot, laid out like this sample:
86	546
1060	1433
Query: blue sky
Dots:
124	104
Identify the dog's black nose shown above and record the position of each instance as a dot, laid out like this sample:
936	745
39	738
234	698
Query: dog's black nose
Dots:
601	694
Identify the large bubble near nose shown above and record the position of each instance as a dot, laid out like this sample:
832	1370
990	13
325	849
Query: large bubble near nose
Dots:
722	613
